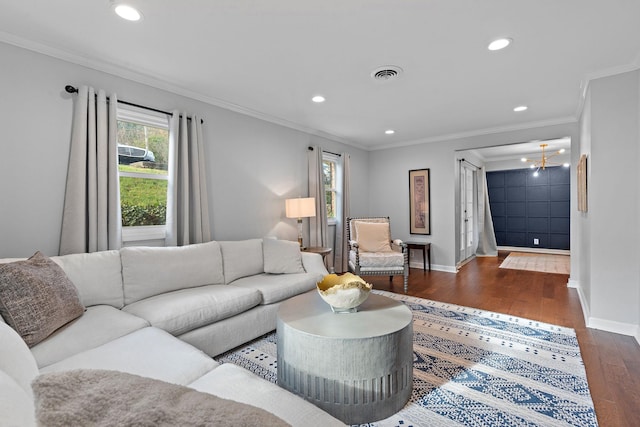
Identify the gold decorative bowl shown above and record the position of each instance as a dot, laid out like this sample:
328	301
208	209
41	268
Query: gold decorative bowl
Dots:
343	293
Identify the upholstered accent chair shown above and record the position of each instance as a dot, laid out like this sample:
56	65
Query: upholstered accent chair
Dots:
372	252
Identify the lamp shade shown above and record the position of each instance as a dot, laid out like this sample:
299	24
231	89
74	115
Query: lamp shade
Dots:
302	207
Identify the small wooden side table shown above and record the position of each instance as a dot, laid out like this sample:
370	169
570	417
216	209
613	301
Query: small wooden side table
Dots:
426	252
318	250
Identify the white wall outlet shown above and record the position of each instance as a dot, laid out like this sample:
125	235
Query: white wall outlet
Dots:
536	241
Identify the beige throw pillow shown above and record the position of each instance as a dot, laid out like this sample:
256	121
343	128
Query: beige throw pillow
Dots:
37	297
282	257
373	236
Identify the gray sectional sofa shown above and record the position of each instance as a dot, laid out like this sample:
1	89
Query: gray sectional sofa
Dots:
164	313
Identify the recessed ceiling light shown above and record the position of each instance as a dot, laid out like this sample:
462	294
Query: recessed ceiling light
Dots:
127	12
318	98
499	44
520	108
389	131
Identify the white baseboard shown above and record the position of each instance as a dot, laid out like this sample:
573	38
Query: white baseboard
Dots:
616	327
602	324
573	283
436	267
586	311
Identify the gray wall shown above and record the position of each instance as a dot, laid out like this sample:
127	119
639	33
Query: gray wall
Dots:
610	280
253	164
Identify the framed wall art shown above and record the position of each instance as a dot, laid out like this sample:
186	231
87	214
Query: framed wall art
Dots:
582	184
419	202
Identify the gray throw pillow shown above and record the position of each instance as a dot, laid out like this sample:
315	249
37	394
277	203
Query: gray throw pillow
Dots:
282	256
37	297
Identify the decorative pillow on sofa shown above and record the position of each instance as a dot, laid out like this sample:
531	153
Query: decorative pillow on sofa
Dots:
282	256
98	397
37	297
373	236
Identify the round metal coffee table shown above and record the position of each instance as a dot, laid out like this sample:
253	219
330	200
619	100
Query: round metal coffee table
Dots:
356	366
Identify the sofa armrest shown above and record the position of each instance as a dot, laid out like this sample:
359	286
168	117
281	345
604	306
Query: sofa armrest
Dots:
313	263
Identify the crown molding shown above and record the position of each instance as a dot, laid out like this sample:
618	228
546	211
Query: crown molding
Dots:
480	132
122	71
613	71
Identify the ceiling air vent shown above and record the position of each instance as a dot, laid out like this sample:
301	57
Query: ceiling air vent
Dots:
386	73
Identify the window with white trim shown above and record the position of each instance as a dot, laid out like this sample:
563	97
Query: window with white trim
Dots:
143	149
330	173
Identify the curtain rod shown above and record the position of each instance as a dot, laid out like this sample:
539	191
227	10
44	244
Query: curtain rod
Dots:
71	89
335	154
464	160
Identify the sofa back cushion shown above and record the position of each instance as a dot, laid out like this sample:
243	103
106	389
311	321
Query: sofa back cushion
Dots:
242	258
149	271
98	277
282	257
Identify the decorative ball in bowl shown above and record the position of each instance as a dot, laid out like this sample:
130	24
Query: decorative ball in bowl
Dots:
343	293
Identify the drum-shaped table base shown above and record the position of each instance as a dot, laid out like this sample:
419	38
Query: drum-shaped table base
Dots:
356	366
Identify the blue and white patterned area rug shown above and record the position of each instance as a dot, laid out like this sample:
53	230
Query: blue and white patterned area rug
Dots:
475	368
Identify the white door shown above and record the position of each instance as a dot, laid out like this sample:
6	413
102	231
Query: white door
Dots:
467	211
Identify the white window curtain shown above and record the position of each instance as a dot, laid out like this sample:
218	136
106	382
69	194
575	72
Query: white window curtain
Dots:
487	245
318	227
91	219
187	202
342	251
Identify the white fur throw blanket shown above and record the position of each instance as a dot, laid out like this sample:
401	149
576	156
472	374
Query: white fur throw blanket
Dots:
111	398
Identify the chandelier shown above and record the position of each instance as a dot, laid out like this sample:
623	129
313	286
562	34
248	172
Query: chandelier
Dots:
543	162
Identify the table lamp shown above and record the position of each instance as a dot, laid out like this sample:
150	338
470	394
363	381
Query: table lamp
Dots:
302	207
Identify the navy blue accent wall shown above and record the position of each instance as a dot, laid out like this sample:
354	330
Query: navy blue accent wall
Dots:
525	207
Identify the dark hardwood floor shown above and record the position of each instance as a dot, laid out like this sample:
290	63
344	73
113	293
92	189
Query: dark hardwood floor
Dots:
612	361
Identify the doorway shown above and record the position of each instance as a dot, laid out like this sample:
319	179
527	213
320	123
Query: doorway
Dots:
468	211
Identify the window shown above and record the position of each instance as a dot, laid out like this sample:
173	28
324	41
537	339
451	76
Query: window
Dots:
330	171
143	149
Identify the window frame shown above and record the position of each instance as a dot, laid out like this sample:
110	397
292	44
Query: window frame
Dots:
140	116
332	158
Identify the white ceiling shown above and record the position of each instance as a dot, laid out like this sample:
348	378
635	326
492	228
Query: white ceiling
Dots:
268	58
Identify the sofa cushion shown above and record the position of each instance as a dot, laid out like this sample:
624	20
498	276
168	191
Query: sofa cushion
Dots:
275	288
149	352
37	297
281	257
242	258
99	324
98	397
149	271
373	236
378	260
233	382
15	359
16	406
181	311
97	276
